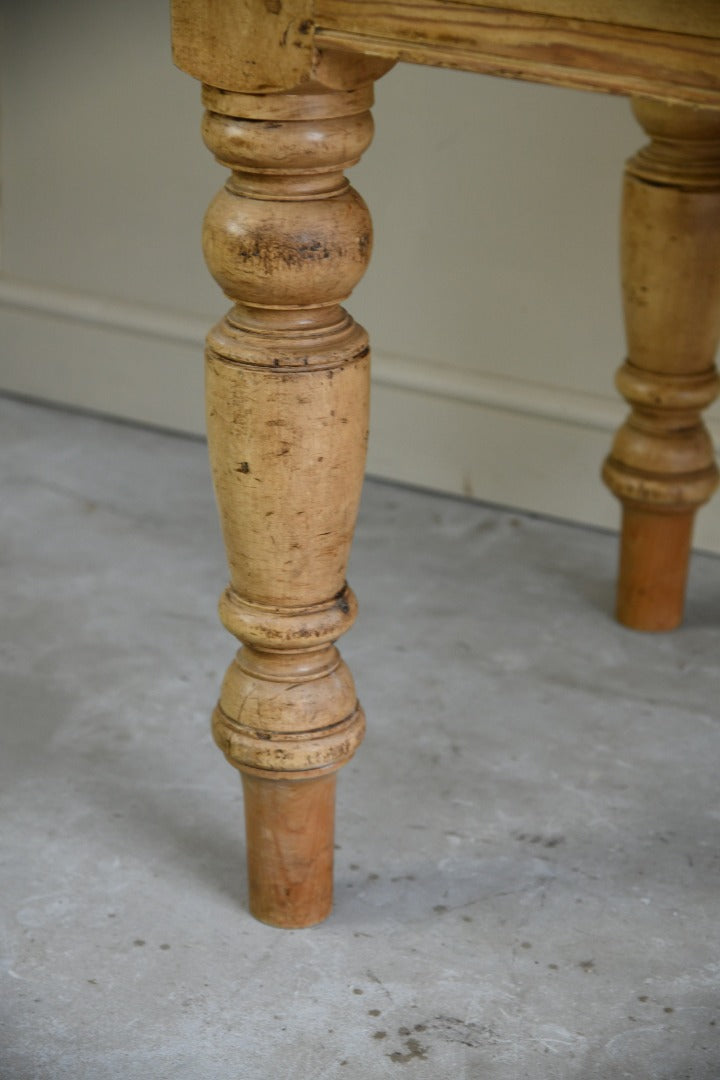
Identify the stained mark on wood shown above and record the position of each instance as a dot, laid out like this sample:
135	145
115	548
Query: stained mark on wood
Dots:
269	251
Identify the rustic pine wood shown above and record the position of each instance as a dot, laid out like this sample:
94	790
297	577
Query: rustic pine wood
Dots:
662	464
701	17
288	89
499	40
287	239
235	44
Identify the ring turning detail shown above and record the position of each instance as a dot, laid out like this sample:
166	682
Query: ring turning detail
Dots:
287	239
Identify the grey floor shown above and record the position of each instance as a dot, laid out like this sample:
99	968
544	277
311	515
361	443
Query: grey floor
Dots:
527	862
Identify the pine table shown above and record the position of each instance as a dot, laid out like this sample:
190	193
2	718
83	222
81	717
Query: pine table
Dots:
287	88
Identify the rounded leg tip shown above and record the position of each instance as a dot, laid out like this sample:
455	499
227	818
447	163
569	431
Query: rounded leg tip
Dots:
291	917
648	616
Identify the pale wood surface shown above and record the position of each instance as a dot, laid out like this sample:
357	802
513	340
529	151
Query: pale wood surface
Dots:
235	44
681	16
287	239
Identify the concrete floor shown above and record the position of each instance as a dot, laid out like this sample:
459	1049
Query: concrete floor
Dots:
527	864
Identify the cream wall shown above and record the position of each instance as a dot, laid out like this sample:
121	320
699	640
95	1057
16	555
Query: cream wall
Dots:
492	296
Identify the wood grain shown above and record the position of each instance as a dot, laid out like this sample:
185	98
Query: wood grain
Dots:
663	48
678	16
244	44
563	51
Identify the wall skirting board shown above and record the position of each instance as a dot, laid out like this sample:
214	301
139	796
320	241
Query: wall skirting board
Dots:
503	440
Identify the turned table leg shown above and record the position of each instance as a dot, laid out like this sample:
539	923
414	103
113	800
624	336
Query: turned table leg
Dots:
287	411
662	464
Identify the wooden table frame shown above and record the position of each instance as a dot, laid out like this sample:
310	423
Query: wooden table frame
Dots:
288	86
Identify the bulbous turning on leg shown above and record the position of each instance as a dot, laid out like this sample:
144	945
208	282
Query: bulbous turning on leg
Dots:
287	410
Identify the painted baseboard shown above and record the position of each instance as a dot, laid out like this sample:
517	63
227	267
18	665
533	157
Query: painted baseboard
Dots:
512	442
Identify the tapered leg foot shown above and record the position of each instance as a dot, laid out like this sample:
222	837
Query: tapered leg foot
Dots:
654	556
289	826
